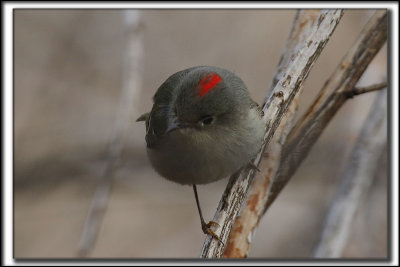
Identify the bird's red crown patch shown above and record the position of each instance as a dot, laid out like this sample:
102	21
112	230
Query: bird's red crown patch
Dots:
208	83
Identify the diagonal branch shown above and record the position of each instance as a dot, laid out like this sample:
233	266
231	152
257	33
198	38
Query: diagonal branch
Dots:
267	184
245	224
331	97
274	108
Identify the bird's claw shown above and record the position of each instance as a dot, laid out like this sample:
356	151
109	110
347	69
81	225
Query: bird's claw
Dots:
207	230
212	223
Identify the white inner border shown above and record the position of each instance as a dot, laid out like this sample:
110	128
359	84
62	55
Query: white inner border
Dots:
8	109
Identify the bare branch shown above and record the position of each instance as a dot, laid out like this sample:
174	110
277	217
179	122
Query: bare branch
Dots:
267	181
129	94
356	181
245	225
367	89
243	229
331	97
301	27
274	109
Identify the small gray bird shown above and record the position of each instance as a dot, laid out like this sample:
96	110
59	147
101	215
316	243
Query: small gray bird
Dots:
203	127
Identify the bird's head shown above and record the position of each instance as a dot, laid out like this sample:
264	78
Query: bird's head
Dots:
207	99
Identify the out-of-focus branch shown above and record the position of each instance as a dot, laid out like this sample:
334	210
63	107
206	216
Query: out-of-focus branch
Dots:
356	181
274	108
332	96
367	89
129	97
240	237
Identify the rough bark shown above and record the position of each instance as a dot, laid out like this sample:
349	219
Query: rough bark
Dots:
274	108
336	91
269	182
241	235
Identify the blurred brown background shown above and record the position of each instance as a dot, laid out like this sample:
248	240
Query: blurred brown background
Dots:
67	82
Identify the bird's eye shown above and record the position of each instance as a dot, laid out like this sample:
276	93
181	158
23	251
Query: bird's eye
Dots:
206	120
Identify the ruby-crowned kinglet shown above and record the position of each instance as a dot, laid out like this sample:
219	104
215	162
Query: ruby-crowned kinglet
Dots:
203	127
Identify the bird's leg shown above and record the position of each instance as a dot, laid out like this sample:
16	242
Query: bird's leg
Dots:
205	226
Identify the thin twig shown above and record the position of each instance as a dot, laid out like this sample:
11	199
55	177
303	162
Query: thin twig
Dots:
356	181
367	89
130	91
274	109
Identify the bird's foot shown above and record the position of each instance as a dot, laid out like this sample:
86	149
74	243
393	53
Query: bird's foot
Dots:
206	227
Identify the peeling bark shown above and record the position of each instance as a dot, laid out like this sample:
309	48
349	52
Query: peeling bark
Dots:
331	98
276	105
